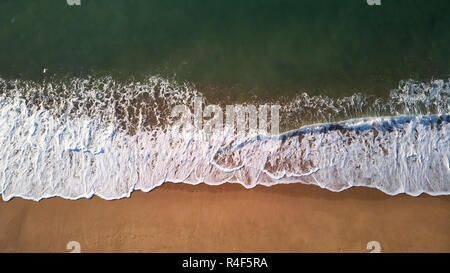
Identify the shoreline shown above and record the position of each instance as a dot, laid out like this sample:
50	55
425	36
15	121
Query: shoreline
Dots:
230	218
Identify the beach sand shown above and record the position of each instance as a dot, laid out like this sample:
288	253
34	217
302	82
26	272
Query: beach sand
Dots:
230	218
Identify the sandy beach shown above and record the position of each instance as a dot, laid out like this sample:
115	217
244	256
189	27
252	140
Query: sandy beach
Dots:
103	97
230	218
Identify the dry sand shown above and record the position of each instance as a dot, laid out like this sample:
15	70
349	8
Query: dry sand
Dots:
230	218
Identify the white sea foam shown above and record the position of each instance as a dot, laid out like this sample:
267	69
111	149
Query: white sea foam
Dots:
409	98
98	137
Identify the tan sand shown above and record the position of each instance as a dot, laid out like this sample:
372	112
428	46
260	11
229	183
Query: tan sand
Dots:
229	218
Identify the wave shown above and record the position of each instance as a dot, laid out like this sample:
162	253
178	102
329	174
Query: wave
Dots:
409	98
99	137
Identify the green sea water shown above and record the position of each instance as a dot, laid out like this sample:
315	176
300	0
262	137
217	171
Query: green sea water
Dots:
251	47
88	93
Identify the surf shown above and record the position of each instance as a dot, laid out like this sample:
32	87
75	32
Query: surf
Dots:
100	137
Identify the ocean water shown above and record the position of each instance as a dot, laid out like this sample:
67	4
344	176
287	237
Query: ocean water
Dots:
86	95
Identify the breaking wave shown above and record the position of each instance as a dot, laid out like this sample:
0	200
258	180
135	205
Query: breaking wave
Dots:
86	137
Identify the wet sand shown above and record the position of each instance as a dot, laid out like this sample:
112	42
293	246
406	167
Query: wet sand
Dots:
230	218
